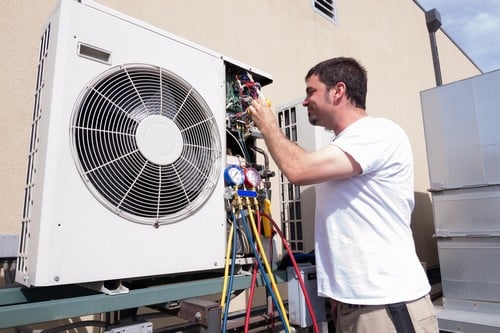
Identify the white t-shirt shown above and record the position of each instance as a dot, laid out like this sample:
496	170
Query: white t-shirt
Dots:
365	253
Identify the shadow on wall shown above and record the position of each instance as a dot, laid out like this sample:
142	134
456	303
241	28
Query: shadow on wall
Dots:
423	229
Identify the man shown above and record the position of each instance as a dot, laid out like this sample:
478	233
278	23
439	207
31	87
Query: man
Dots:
365	254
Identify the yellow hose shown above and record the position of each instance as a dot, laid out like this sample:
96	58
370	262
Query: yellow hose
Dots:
226	268
268	268
266	224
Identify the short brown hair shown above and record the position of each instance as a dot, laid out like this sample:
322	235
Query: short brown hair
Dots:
347	70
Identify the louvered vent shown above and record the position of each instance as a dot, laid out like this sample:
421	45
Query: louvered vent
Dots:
32	154
326	8
146	144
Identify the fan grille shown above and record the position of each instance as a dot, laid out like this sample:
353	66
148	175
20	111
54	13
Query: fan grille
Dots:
123	176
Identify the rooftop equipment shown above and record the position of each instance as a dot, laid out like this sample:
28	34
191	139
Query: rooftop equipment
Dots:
463	149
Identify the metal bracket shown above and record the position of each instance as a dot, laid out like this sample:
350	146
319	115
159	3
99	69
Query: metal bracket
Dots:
117	289
206	313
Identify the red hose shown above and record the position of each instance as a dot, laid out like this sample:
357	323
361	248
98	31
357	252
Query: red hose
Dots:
299	276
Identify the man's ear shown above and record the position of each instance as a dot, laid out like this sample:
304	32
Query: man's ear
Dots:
337	91
340	89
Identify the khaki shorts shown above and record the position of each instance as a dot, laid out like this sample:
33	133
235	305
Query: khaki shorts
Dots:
377	319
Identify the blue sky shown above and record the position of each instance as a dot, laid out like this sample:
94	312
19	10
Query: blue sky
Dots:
474	25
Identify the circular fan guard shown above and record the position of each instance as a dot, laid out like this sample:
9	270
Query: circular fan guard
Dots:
104	135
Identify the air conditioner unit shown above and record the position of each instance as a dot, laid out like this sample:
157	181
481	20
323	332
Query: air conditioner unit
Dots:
124	175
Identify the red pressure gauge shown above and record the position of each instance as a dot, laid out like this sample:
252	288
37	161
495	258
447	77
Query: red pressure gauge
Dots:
252	177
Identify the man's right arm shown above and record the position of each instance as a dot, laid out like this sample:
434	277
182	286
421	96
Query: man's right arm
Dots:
299	166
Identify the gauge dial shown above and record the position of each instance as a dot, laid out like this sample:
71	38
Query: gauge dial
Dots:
233	175
252	177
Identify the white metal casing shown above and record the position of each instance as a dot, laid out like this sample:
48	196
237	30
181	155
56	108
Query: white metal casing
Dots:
70	236
462	141
297	305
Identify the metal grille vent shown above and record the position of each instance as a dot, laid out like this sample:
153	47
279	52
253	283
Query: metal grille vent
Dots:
146	144
32	155
326	8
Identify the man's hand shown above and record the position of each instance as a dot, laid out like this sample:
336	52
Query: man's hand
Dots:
262	115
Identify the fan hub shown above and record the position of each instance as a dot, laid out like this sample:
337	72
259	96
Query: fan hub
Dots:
159	139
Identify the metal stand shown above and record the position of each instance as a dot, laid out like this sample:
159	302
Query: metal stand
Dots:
458	315
23	306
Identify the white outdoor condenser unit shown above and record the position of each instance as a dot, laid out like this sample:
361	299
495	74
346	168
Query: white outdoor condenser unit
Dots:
124	174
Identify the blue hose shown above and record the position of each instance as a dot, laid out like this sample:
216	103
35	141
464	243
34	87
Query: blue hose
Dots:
231	276
264	275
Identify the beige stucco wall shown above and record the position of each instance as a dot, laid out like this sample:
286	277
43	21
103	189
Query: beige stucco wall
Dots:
281	37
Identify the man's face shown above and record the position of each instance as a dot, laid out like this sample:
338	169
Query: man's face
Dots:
317	100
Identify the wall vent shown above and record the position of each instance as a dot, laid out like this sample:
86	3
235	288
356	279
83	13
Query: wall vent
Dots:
325	8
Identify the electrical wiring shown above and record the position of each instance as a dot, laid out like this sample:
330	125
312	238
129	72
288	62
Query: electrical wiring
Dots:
265	277
241	89
242	141
297	272
237	141
248	88
245	243
268	268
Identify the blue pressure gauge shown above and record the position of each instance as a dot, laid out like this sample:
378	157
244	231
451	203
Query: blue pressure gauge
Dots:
233	175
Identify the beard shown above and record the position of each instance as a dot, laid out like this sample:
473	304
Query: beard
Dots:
312	116
312	119
312	107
